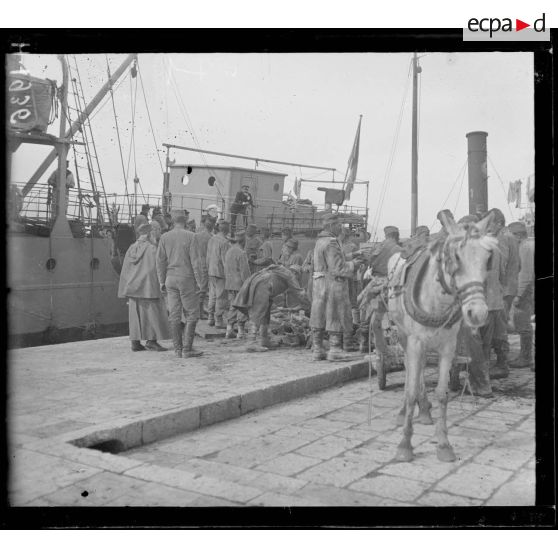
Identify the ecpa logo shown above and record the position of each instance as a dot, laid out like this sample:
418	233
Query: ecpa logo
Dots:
503	29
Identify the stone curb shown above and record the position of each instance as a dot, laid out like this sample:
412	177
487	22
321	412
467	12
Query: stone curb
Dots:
124	434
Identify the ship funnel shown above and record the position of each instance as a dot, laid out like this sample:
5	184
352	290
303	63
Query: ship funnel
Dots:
477	170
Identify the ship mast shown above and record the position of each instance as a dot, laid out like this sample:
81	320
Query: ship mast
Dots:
414	153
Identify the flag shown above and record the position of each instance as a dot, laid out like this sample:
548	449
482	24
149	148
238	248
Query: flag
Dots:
297	186
352	166
514	193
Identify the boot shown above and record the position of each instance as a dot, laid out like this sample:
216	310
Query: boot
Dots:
253	333
137	346
154	346
363	339
500	368
356	316
480	381
203	313
349	343
454	383
525	358
219	323
189	334
230	332
210	319
335	350
241	334
318	351
176	330
265	341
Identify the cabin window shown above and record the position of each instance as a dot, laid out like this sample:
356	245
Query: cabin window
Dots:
276	187
51	264
211	181
94	263
185	180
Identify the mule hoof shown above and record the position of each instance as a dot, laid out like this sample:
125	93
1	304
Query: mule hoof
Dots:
446	454
404	454
400	419
424	418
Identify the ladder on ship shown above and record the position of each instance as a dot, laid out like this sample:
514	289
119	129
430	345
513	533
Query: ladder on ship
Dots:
86	158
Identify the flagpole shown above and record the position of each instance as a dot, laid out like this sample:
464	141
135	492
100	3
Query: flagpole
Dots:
414	154
357	138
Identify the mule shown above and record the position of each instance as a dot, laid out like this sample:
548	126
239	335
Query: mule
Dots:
427	303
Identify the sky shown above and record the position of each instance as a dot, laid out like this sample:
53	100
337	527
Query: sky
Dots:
305	108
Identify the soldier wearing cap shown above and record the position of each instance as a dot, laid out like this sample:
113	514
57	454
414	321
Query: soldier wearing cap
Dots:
293	261
142	218
138	283
252	246
180	274
509	251
349	247
202	238
265	250
216	250
378	262
330	291
237	270
242	201
286	234
523	302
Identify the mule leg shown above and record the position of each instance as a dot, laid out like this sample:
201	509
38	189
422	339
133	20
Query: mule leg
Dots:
445	451
400	418
413	362
424	416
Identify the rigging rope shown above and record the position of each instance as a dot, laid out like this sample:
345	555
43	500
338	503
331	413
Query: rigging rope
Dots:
150	122
376	219
118	137
460	173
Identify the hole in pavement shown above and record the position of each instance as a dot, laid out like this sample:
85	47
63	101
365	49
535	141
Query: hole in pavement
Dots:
109	446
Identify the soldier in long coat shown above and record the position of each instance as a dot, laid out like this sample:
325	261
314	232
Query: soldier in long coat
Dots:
265	251
139	284
523	303
180	274
216	250
330	291
237	270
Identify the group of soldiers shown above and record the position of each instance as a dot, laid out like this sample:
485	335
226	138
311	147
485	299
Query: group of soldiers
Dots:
232	280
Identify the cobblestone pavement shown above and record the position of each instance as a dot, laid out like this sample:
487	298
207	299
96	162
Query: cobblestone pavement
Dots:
318	450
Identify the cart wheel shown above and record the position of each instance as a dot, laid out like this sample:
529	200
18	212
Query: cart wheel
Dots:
381	372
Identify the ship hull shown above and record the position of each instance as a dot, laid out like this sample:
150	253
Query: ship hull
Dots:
62	289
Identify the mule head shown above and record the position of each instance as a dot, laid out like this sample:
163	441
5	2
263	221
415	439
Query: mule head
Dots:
468	251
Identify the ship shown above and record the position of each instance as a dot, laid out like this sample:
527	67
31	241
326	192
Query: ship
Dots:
66	245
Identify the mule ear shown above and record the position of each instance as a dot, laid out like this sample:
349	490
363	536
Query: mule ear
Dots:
484	225
446	218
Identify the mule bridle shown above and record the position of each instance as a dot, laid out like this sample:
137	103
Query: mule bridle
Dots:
466	293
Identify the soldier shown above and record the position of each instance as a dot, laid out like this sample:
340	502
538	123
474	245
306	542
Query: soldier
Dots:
494	330
237	270
142	218
330	291
216	249
265	250
242	201
308	267
469	344
523	302
202	238
286	234
253	244
378	263
349	247
138	283
180	275
255	298
509	250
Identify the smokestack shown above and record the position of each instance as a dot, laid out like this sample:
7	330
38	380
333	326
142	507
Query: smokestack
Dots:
476	156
